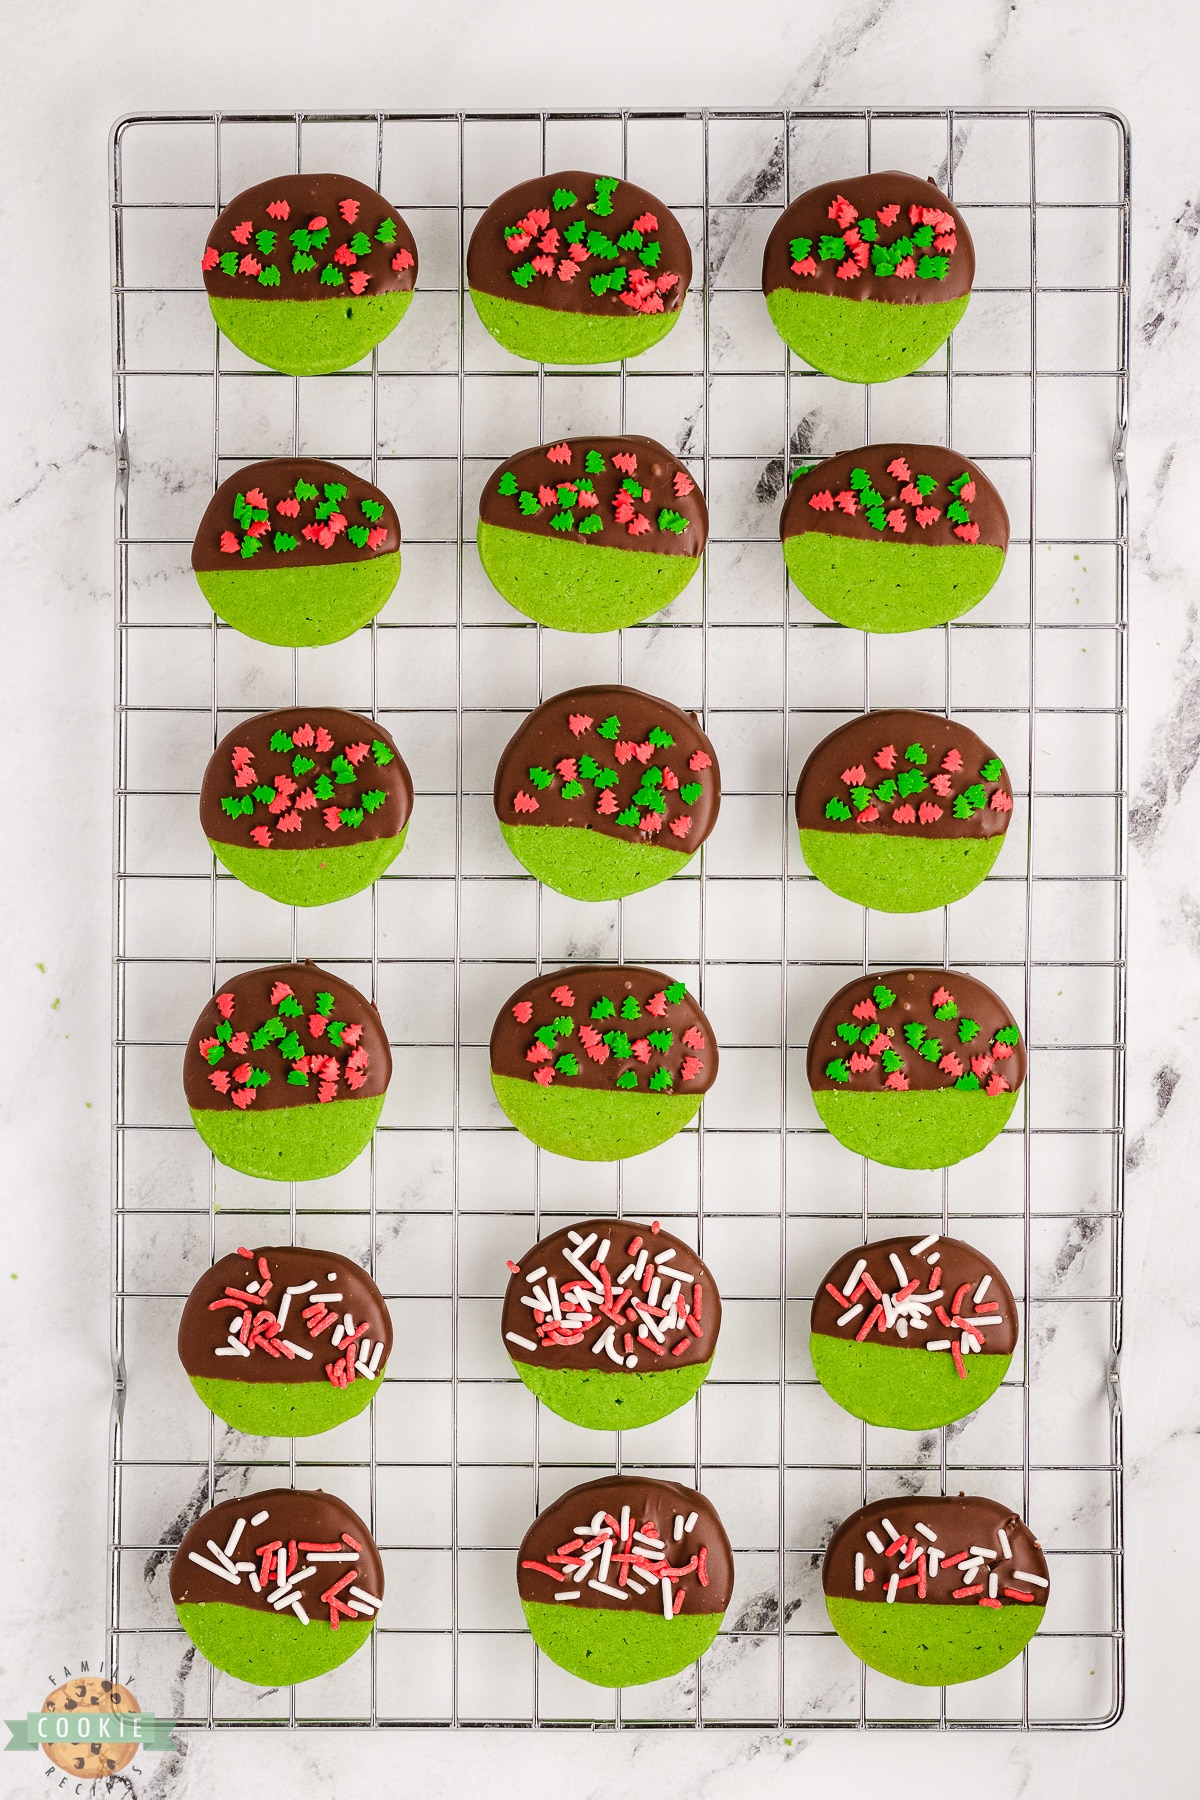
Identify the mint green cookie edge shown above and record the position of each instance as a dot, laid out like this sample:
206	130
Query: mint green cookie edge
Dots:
290	1143
885	586
310	877
578	585
588	865
898	874
269	1649
608	1400
903	1388
927	1644
309	337
542	334
916	1130
287	1408
618	1649
592	1124
302	607
863	340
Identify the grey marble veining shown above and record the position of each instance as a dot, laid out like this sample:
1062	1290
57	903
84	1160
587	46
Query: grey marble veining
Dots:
55	912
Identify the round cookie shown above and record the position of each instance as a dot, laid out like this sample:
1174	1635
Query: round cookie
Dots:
598	1062
578	268
902	811
588	1577
307	273
297	551
283	1341
916	1068
611	1347
308	804
912	1334
893	537
286	1071
593	533
604	791
866	278
269	1628
933	1590
94	1760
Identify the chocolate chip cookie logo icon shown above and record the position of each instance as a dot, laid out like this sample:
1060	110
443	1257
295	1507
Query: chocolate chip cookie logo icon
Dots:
91	1727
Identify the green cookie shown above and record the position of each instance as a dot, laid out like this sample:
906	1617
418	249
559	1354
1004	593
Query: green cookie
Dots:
588	865
863	340
915	1130
932	1645
269	1649
905	1389
899	874
605	1400
290	1143
887	586
590	1124
285	1409
618	1649
310	337
576	585
310	877
542	334
301	606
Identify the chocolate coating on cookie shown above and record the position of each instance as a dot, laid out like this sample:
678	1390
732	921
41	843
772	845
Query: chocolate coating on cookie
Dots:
308	237
613	760
616	236
567	1531
220	1302
626	493
291	1020
897	493
305	778
301	512
904	774
954	1280
310	1520
957	1528
572	1259
927	257
594	1026
923	1029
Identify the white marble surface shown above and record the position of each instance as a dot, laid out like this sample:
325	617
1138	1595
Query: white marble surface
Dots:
71	71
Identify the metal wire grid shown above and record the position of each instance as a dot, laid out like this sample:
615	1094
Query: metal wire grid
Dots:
762	1633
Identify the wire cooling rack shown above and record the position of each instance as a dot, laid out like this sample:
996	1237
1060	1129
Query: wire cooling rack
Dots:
455	1457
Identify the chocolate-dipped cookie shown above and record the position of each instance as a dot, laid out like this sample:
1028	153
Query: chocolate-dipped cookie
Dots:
597	1062
308	804
866	278
593	533
284	1341
278	1587
625	1579
915	1068
610	1323
902	811
893	537
307	273
604	791
912	1334
935	1590
286	1071
297	551
578	268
